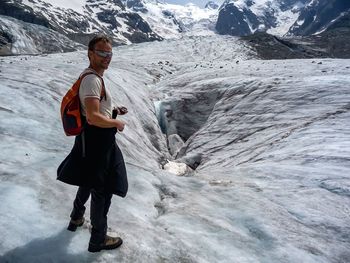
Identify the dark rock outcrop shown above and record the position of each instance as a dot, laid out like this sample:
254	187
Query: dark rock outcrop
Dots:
319	15
330	44
23	13
6	40
109	17
136	5
233	22
342	22
141	31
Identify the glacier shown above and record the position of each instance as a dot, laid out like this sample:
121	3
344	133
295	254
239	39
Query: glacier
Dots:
268	141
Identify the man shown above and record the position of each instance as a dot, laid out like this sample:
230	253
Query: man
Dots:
96	163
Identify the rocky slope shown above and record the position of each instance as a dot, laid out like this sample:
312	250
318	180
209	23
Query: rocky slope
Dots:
244	17
127	21
319	15
18	37
107	16
133	21
333	43
292	17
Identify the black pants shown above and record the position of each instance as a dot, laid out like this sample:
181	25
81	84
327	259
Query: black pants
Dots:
100	203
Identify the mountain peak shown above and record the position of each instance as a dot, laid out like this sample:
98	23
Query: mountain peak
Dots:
279	17
212	5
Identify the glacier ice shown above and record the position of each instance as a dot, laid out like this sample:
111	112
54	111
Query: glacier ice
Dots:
272	177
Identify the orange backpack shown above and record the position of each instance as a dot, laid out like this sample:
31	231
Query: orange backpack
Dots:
72	119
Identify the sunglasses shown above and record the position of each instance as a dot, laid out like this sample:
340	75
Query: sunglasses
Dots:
104	54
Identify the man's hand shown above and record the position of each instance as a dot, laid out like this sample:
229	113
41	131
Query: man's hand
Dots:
120	125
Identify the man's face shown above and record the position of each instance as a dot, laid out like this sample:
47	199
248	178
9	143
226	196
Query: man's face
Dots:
101	56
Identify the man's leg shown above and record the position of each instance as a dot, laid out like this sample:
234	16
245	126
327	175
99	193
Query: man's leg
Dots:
78	211
100	203
108	200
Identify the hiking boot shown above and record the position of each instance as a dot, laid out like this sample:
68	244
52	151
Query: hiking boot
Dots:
73	224
109	243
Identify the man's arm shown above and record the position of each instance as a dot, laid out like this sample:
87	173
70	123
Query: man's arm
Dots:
94	117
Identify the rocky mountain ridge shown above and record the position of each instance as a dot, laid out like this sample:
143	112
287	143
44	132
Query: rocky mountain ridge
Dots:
126	21
320	15
280	17
107	16
36	26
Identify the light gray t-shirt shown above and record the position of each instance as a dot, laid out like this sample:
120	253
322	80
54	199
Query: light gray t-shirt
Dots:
91	87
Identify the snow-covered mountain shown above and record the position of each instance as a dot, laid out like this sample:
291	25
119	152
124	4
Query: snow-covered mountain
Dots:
172	21
134	21
244	17
269	141
80	18
128	21
319	15
18	37
279	17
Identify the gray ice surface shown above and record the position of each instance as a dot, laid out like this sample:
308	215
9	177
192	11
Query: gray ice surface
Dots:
271	140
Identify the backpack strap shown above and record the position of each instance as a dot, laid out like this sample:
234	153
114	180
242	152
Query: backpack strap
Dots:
103	90
103	95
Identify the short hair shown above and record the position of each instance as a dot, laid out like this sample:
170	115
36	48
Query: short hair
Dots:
99	38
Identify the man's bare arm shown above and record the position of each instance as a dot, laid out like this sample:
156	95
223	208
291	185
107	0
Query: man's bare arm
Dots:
94	117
